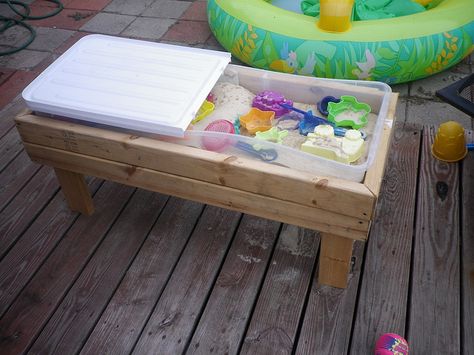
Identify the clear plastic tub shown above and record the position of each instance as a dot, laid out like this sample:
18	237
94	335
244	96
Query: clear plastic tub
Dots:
305	90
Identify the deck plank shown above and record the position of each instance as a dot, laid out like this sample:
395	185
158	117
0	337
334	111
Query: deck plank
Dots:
10	146
175	315
71	323
14	177
8	114
34	246
276	318
25	206
328	317
39	299
434	321
230	304
126	314
467	243
382	303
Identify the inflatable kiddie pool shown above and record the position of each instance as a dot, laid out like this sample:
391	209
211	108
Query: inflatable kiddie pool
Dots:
391	50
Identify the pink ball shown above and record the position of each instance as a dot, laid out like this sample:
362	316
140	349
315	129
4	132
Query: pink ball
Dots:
391	344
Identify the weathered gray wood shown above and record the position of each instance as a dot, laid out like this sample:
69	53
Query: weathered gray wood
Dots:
34	246
10	146
328	316
229	307
434	321
77	314
382	303
5	127
467	307
127	312
274	323
38	300
177	311
14	177
25	206
52	267
8	114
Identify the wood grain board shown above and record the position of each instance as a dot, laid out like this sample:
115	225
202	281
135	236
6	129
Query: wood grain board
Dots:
10	146
14	177
334	260
122	322
75	190
280	305
434	318
175	316
467	256
40	297
382	302
230	304
328	317
7	115
25	206
79	310
34	246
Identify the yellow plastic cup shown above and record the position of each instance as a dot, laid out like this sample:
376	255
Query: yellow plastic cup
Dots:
450	142
423	2
335	15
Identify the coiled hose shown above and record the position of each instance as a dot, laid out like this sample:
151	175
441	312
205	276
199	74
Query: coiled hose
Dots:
7	22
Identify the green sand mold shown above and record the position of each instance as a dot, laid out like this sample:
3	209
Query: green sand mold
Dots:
272	135
348	104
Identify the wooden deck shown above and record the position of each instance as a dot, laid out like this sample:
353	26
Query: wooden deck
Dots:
152	274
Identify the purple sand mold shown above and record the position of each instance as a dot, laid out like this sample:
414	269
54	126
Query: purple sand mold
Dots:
270	101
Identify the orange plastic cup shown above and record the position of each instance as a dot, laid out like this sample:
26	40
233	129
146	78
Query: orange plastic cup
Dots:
450	142
335	15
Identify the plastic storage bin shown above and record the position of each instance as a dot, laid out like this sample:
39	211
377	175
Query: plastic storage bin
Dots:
134	78
309	90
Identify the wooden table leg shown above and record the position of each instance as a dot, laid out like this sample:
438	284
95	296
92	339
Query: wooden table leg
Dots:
75	190
335	260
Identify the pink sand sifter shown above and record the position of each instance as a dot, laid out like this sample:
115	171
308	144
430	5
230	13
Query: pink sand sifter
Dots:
218	143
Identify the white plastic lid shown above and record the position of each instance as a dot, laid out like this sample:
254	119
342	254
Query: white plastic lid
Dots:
131	84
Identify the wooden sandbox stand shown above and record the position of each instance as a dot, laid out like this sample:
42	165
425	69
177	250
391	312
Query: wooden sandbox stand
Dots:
341	210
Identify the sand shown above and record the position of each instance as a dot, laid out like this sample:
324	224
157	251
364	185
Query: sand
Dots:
232	101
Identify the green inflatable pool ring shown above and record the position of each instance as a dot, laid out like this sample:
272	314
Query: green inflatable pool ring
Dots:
393	50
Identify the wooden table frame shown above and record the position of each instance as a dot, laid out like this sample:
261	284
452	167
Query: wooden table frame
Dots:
341	210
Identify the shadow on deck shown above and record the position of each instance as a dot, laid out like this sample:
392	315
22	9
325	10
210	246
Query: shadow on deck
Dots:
148	273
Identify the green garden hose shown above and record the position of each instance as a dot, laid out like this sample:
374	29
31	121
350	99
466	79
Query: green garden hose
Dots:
7	22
